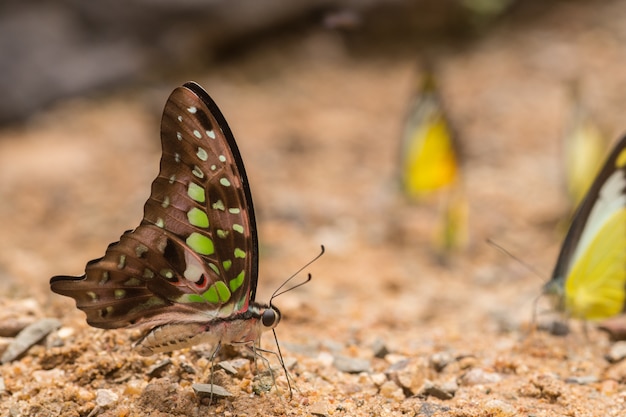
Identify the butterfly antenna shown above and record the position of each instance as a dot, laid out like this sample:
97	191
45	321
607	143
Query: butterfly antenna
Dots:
280	290
521	262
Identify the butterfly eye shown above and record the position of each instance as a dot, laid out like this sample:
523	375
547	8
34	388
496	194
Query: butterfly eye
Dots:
270	318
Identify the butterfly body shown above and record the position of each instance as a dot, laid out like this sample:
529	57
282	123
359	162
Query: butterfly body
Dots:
428	155
589	279
242	328
189	270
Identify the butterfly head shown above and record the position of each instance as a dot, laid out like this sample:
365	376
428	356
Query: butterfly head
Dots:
270	317
555	291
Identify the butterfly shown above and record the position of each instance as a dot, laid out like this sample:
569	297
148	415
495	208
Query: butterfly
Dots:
189	271
589	279
584	147
429	160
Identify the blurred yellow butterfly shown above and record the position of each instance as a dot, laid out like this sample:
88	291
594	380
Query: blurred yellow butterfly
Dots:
428	154
584	148
589	279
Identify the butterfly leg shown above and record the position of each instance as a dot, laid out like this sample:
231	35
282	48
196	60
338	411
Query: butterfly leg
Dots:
255	349
213	357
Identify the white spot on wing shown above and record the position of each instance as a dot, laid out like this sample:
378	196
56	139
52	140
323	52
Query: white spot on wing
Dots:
611	199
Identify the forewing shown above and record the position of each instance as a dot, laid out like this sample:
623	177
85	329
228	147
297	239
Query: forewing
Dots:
195	253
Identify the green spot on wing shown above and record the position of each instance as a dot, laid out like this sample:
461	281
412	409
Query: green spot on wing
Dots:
218	205
132	282
202	154
227	264
239	253
192	298
200	243
198	217
196	192
238	228
214	268
236	282
217	293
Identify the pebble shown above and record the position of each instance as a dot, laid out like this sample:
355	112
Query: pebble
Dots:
325	358
443	391
378	378
351	365
440	360
228	367
410	374
12	326
582	380
499	408
319	408
617	352
48	377
206	389
478	376
158	368
379	349
392	391
105	397
28	337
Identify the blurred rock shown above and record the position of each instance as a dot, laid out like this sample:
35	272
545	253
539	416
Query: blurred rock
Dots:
443	391
479	376
615	327
617	352
105	397
351	365
28	337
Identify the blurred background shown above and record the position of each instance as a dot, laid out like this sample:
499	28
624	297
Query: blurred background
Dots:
321	97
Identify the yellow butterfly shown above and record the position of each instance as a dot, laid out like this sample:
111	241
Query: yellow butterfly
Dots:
452	231
428	154
589	279
584	148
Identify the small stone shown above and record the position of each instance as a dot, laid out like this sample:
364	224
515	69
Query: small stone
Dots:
228	367
12	326
379	349
440	360
617	352
411	374
582	380
478	376
290	363
2	386
431	409
615	327
262	383
555	328
158	368
325	358
393	358
392	391
105	397
378	378
48	377
207	389
444	391
351	365
319	408
28	337
499	408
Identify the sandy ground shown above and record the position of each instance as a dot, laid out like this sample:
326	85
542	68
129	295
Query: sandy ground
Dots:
318	126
